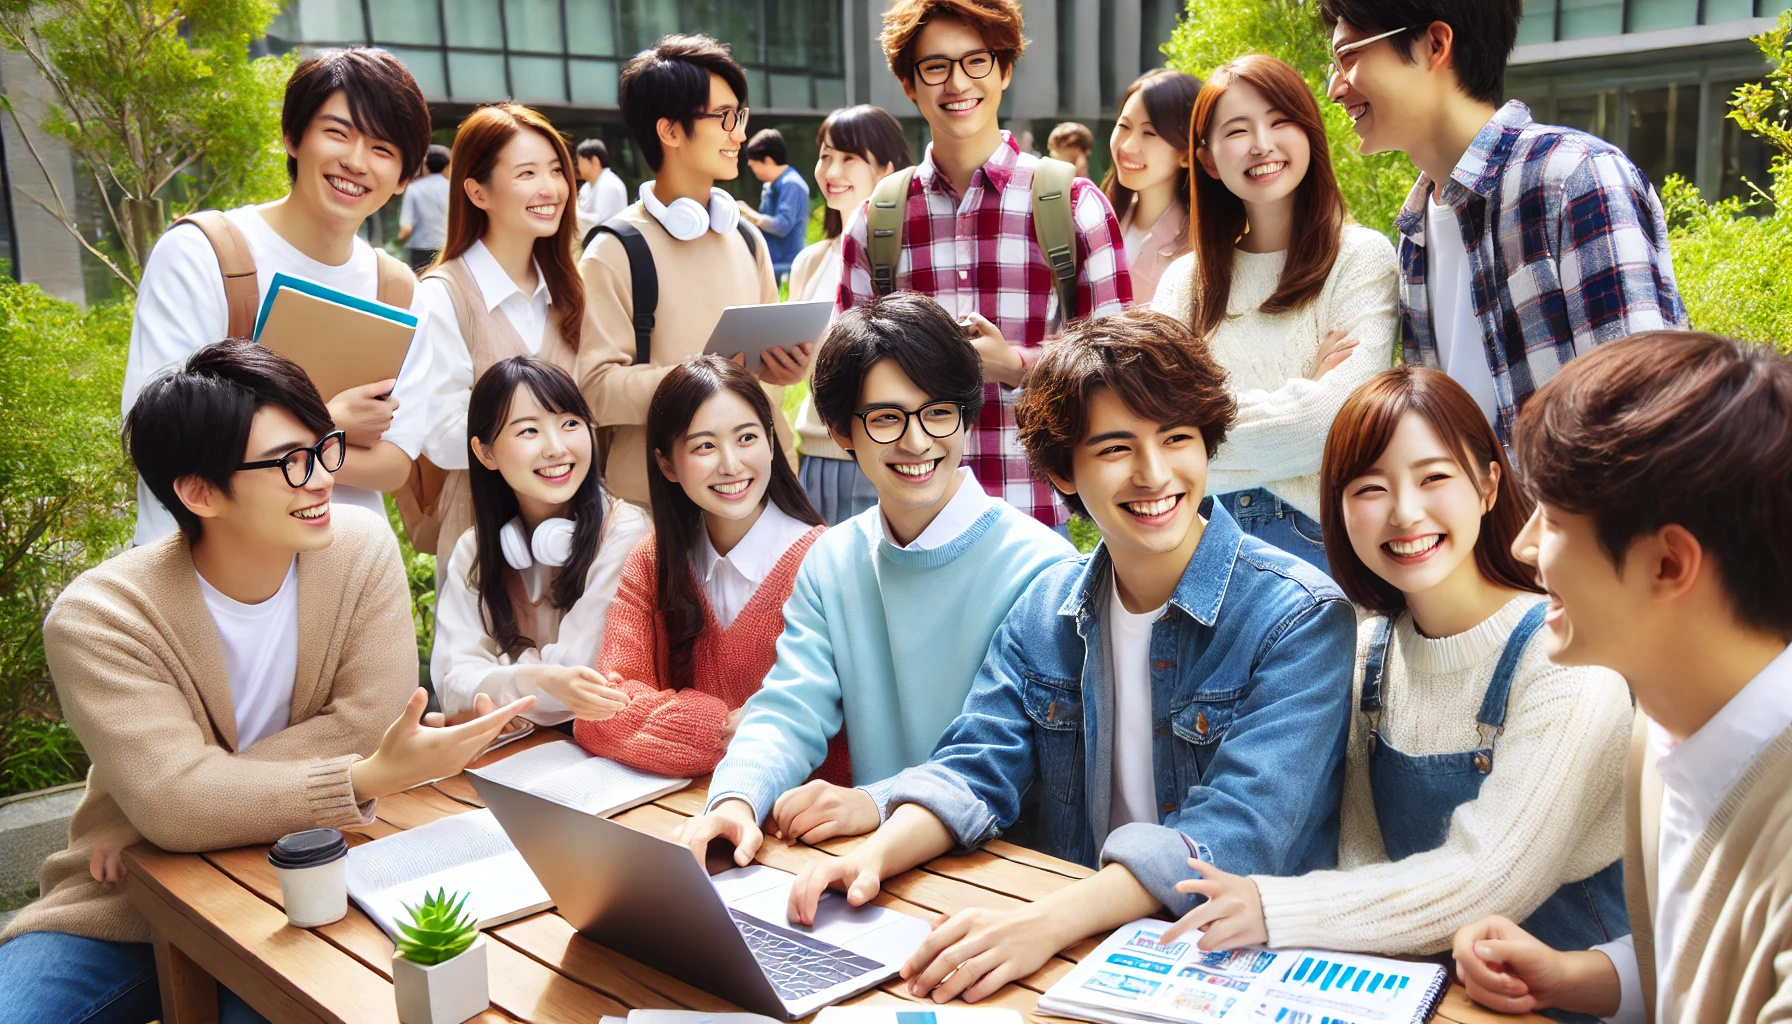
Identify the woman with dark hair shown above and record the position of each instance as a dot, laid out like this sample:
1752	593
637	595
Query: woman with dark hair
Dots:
1148	180
506	284
1299	305
1480	777
700	607
526	592
859	146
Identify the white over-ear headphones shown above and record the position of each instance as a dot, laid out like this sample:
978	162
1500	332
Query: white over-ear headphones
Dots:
685	219
551	545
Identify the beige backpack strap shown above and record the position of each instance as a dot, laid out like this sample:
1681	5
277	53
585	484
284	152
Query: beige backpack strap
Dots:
883	228
1054	228
397	282
241	294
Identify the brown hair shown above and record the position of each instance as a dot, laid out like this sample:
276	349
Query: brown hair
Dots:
1360	434
1169	98
998	22
871	132
1151	361
383	101
1676	427
1071	135
481	137
1216	217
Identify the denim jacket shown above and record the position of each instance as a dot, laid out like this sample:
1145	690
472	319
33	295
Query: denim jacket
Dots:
1250	690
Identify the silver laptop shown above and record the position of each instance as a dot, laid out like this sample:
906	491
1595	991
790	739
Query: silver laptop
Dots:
727	934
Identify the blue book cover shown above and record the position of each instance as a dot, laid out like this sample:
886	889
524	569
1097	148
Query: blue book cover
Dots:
309	287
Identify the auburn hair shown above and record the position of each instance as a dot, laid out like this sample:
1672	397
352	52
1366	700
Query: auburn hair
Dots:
998	22
1216	217
1169	100
1360	434
477	143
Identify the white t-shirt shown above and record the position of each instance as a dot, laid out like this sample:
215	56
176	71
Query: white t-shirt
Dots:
181	309
600	200
1461	347
425	212
731	580
1129	665
261	655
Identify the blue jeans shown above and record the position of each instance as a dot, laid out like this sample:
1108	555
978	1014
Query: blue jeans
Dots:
1261	514
53	978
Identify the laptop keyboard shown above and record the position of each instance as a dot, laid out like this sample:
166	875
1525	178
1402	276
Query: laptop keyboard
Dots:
798	965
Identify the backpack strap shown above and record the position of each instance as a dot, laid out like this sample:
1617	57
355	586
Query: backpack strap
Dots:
1054	228
236	263
746	233
397	281
883	228
644	282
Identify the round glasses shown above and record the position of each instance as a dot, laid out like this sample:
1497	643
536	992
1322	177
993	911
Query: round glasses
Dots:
936	69
298	464
886	424
1344	58
730	118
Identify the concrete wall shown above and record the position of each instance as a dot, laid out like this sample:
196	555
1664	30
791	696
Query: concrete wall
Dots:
49	256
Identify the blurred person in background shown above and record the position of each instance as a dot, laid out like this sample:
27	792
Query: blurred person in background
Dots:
1148	179
1071	142
423	219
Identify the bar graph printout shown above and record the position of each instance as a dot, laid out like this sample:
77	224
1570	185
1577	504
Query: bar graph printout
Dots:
1132	978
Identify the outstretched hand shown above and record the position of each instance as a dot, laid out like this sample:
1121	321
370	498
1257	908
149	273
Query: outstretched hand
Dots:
414	752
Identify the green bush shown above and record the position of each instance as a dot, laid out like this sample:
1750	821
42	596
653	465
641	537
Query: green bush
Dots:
65	503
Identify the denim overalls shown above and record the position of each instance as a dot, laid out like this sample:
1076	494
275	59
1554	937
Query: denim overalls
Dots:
1416	794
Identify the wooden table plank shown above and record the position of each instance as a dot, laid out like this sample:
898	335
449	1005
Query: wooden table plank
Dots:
416	807
548	938
529	991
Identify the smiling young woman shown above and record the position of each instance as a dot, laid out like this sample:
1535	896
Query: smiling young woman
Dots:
1148	183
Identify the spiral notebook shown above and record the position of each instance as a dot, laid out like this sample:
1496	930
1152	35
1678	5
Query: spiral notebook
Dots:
1132	978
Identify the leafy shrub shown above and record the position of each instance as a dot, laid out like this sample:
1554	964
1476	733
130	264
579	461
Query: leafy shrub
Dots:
65	503
420	573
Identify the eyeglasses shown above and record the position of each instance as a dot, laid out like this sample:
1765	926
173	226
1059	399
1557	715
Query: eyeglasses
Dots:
298	464
936	69
730	118
1339	67
886	424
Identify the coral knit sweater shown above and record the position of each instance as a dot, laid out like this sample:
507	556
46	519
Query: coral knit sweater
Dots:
680	731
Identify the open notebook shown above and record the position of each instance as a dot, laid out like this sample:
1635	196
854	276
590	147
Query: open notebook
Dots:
1130	978
563	772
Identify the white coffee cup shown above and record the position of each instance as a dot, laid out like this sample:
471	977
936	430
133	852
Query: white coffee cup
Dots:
312	866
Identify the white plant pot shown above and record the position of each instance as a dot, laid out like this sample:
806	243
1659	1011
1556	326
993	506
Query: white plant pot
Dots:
450	992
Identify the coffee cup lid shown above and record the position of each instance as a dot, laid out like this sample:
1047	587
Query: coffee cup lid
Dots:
308	849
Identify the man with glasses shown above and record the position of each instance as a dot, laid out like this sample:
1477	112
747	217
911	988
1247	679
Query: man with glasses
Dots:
893	609
1522	245
231	682
685	102
969	239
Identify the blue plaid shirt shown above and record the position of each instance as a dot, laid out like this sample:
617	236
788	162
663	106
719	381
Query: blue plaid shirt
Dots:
1567	249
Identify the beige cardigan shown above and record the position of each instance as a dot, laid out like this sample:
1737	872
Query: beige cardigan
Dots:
1735	963
139	669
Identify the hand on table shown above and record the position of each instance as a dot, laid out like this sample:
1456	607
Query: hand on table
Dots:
1001	361
585	693
414	751
364	413
1505	968
1231	917
1338	346
973	953
819	810
732	820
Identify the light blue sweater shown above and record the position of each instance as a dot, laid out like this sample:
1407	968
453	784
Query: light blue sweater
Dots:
886	639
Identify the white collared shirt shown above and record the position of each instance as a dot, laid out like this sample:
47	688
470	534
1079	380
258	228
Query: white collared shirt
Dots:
731	580
451	366
1696	775
966	507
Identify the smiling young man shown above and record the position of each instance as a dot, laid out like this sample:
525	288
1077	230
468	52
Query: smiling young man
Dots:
685	101
230	682
968	237
1663	497
1522	245
1182	691
879	637
356	130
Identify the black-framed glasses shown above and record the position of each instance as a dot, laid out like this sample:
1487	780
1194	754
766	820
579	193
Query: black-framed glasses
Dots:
886	424
936	69
730	118
1339	67
298	464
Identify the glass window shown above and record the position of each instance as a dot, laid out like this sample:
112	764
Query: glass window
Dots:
321	21
1651	15
590	28
538	79
472	23
1590	112
790	92
736	22
477	76
1729	10
1539	24
1772	8
1584	18
825	33
426	67
830	93
756	92
533	25
1742	158
406	21
1664	131
645	21
594	81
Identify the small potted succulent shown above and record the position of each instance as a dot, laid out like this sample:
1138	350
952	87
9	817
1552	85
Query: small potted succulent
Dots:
438	969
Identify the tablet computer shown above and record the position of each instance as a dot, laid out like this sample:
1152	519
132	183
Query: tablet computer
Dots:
750	330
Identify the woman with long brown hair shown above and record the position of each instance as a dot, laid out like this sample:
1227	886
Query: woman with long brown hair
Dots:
1299	305
506	284
1479	777
697	617
1148	181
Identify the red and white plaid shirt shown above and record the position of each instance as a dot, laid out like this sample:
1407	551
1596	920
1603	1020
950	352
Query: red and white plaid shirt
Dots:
977	254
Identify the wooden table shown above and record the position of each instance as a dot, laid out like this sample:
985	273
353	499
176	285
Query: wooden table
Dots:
218	916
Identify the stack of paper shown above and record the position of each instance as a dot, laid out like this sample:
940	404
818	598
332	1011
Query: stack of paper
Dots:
465	853
1131	977
564	773
341	341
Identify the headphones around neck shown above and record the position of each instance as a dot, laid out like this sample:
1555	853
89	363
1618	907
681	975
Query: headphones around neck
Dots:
686	219
551	545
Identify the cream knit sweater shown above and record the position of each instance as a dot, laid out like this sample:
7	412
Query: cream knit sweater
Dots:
1550	813
1279	435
